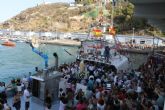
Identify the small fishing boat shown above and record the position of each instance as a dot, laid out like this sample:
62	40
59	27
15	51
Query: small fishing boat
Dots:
8	43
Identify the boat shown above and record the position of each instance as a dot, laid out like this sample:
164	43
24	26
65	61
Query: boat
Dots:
90	53
8	43
99	50
20	41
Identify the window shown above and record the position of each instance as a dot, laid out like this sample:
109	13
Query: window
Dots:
142	42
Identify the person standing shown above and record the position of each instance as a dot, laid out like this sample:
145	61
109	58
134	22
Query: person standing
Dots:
107	53
17	101
19	86
27	98
48	102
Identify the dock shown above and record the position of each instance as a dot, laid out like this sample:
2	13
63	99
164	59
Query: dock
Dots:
138	51
142	51
63	42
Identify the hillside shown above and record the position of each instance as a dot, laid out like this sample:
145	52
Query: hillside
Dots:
49	17
63	18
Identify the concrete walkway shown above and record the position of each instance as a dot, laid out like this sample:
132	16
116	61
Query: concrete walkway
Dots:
35	104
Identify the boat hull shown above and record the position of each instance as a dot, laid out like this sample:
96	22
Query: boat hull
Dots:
10	44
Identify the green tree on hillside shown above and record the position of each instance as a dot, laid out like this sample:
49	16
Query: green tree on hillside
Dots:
84	1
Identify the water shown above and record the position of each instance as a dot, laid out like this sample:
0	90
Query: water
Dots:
20	60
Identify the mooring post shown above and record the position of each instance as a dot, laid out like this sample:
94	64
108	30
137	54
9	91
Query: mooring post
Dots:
56	60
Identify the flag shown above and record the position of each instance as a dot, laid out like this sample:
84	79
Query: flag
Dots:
97	32
112	31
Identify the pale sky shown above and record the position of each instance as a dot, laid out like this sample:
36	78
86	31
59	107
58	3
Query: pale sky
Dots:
10	8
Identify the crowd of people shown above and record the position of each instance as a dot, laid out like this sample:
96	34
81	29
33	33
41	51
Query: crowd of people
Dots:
108	89
16	89
137	46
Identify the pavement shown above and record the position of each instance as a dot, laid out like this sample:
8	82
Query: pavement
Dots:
35	104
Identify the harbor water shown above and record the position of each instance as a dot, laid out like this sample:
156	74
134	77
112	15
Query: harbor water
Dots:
18	61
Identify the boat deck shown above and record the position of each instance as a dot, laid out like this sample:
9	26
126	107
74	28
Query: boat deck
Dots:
119	61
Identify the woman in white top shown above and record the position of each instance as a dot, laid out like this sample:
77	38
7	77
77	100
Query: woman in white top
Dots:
100	107
62	106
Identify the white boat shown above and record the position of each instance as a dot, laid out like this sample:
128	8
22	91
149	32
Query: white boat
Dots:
20	41
93	50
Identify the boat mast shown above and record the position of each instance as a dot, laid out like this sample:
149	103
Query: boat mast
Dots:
113	4
112	23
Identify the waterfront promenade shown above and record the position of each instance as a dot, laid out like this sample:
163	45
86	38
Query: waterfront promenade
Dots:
35	104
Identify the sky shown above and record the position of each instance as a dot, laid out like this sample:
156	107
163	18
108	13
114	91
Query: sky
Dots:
10	8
